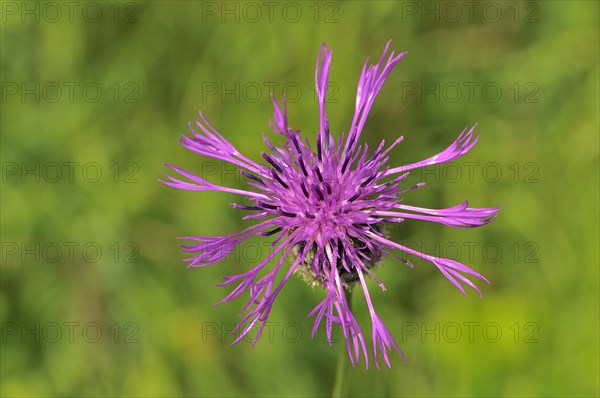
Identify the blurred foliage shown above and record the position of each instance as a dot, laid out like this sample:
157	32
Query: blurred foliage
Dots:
156	64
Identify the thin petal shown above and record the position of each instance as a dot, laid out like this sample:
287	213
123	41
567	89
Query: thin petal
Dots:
459	147
447	266
200	184
459	216
370	83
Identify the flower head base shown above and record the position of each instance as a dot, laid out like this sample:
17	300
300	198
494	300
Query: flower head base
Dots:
325	207
348	278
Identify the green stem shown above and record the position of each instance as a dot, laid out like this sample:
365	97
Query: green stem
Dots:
340	387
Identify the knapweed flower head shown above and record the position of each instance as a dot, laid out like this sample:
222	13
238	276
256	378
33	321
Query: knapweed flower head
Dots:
325	207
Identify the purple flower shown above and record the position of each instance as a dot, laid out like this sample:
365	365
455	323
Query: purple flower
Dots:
325	207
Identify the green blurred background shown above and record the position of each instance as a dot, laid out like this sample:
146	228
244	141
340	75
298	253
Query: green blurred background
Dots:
95	298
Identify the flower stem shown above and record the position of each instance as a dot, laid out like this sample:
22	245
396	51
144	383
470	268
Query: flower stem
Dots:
340	387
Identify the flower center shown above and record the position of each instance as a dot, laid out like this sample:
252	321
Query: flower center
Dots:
369	258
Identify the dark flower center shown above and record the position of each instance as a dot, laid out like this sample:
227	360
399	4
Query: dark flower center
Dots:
369	258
